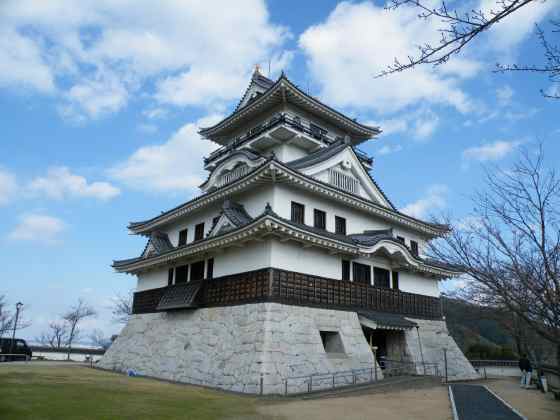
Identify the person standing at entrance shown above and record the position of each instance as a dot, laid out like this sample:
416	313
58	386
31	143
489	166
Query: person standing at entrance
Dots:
526	371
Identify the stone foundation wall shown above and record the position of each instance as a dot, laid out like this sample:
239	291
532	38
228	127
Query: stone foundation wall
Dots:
231	347
434	337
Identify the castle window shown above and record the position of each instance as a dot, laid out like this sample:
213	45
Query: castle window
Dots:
332	343
346	270
343	181
340	225
197	270
182	274
400	239
199	231
381	277
183	237
298	213
170	276
395	275
317	131
319	219
361	273
210	269
236	173
414	247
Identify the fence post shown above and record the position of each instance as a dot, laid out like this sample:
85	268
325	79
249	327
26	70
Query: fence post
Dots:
286	386
310	384
261	384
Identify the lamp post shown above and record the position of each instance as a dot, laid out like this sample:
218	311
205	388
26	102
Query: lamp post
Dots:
18	308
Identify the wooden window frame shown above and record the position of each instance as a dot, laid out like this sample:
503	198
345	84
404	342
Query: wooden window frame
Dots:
295	209
346	270
320	219
183	237
377	271
355	273
199	232
414	248
338	222
395	280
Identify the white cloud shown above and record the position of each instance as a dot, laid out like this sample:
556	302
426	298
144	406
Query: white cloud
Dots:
39	228
22	64
435	199
366	38
504	95
155	113
8	186
99	55
60	182
516	27
490	152
147	128
173	166
391	126
388	149
425	125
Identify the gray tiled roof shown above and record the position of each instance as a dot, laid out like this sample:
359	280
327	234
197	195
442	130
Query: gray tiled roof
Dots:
317	156
387	319
161	242
236	213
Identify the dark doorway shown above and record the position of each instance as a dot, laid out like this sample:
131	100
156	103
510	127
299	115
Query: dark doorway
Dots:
377	338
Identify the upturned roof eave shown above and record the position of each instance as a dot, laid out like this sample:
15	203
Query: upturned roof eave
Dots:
282	226
428	228
365	130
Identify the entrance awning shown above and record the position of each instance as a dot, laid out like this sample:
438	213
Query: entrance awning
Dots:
384	321
179	297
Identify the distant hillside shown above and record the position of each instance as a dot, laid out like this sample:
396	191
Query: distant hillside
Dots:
474	328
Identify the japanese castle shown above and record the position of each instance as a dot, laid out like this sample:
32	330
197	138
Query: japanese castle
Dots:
291	262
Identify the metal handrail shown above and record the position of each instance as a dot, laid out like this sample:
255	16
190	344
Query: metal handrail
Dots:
275	120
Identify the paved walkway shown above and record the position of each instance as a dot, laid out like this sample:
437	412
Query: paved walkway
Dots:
476	402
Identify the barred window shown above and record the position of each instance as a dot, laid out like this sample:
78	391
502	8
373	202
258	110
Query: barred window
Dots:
361	273
199	231
320	219
183	237
298	213
414	247
381	277
340	225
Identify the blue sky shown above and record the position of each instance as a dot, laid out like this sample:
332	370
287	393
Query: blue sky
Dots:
100	107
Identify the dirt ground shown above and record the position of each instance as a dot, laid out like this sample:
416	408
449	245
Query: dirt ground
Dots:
431	403
532	403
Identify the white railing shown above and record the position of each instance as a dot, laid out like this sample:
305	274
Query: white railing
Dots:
233	175
342	181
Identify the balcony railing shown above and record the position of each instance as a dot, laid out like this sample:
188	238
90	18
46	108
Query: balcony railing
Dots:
277	119
291	288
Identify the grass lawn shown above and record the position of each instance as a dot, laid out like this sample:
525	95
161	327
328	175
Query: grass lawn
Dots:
75	392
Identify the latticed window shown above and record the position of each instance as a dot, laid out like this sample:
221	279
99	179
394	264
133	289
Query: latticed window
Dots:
319	219
343	181
340	225
361	273
199	231
232	175
182	274
197	270
298	213
345	270
381	277
183	237
414	247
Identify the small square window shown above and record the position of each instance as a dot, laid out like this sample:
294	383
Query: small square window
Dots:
340	225
199	232
414	247
183	237
332	343
298	213
319	219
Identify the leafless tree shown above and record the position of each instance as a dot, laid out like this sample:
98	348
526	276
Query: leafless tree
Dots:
122	308
510	246
99	339
461	27
73	317
56	336
6	318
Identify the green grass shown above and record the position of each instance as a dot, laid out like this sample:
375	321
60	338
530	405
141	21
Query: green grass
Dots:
75	392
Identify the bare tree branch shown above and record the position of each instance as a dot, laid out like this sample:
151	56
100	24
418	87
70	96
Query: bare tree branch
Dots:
462	27
122	308
73	317
511	246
